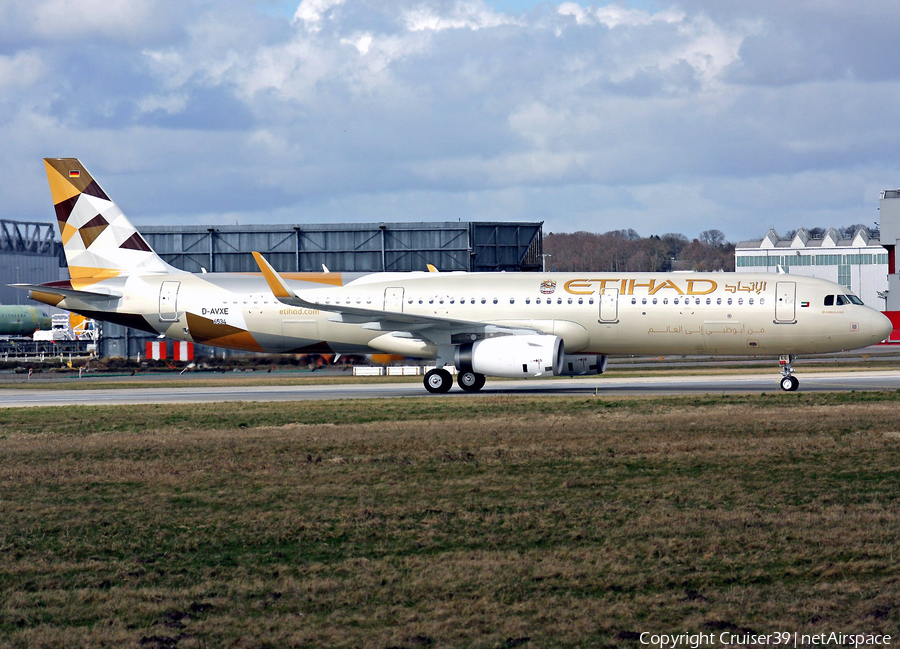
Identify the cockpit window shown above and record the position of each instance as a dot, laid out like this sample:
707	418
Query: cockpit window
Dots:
842	300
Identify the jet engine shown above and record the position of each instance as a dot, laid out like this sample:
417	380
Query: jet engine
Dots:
583	364
512	356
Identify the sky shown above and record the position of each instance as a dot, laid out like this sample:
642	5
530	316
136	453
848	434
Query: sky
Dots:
646	114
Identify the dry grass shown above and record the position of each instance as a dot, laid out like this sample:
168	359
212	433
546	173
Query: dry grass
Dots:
483	523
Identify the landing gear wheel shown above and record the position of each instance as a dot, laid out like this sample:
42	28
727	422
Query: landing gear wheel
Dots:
470	381
790	383
438	380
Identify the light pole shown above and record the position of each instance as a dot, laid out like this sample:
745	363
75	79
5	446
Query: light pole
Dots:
544	261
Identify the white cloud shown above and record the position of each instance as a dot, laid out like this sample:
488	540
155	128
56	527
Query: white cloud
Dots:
463	15
709	49
361	43
21	70
613	16
311	12
117	20
582	115
171	104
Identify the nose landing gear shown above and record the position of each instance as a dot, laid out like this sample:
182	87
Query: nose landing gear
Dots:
789	382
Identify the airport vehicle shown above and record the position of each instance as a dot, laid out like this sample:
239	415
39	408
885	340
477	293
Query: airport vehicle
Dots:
485	324
22	320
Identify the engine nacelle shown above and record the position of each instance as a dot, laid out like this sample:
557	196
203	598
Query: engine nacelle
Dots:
512	356
583	364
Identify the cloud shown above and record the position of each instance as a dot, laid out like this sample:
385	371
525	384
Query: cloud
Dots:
21	70
351	109
462	15
312	12
613	15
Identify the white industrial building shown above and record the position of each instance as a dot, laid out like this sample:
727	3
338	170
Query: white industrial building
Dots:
859	263
889	216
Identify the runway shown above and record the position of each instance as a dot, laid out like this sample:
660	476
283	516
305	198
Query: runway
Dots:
599	386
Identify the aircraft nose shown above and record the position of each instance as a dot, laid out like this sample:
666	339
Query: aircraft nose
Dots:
881	326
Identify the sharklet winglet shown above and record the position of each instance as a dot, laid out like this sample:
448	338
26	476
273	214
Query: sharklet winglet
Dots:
277	285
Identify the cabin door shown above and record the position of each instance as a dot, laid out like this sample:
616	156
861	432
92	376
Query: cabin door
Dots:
393	300
168	301
609	305
785	302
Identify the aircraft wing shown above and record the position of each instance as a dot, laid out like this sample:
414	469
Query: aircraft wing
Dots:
379	320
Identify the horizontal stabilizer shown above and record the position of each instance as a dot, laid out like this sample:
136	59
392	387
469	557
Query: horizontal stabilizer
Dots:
68	291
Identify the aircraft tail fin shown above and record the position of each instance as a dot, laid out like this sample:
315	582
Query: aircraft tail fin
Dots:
99	241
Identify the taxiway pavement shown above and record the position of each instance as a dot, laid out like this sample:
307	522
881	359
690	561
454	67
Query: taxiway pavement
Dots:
363	389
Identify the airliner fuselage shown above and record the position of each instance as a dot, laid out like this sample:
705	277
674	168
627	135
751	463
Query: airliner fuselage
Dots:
485	324
601	313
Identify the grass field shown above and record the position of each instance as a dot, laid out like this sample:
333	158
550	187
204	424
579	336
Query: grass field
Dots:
489	522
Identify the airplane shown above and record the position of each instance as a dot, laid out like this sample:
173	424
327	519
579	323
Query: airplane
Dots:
22	320
512	325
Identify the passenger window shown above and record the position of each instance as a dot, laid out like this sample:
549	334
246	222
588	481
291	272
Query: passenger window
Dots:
512	300
581	300
740	300
483	301
675	301
559	300
634	300
495	300
665	300
643	300
527	300
654	300
709	300
729	301
570	300
538	301
829	300
762	300
718	300
750	300
590	300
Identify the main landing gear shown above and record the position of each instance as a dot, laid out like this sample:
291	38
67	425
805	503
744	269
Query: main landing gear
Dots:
470	381
440	380
789	382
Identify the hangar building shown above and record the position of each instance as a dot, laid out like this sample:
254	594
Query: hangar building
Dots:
859	263
364	247
29	253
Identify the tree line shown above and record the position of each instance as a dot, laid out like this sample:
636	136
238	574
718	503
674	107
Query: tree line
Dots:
626	250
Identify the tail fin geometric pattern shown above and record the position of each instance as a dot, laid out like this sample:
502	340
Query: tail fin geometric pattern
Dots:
99	241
